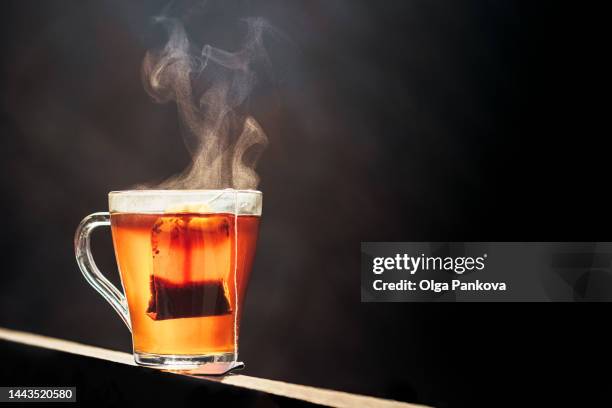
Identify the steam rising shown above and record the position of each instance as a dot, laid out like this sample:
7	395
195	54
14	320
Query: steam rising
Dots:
210	87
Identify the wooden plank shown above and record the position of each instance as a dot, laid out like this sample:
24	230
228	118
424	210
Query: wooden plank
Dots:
314	395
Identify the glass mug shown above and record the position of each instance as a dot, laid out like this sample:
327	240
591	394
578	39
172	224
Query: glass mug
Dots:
184	258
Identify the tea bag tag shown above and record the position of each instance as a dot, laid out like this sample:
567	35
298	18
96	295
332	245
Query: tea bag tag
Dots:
217	368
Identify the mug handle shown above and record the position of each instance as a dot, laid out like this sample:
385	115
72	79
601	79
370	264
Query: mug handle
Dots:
92	274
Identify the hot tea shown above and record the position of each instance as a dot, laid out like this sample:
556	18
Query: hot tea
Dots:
185	276
185	259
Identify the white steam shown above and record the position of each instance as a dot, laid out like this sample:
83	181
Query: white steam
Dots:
210	87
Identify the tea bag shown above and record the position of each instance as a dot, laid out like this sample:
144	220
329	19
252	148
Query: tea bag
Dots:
192	261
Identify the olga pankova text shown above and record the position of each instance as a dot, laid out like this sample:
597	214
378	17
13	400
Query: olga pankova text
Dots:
431	285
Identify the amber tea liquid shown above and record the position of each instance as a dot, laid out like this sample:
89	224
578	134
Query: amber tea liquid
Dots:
185	276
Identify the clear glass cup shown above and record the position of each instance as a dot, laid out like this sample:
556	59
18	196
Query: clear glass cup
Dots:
185	259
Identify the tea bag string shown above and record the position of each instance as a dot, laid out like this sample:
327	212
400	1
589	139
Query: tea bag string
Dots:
236	294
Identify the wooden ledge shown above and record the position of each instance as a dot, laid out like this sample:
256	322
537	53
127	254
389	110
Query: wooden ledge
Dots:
304	393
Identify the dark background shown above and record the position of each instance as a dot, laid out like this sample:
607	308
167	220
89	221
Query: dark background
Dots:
388	121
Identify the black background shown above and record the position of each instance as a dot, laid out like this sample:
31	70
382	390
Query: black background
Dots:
388	121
